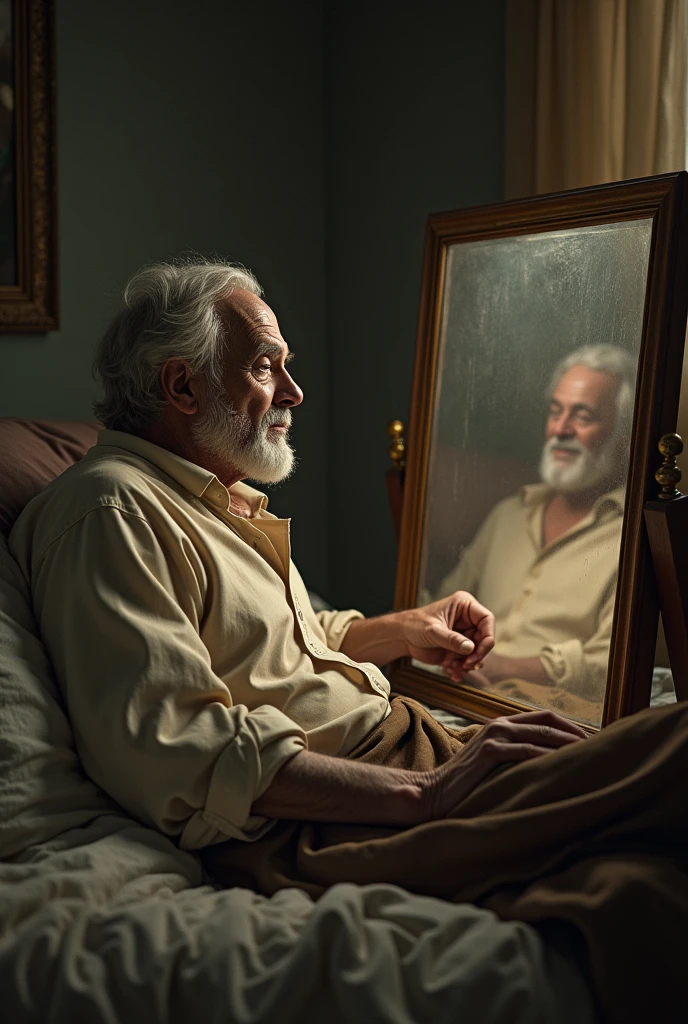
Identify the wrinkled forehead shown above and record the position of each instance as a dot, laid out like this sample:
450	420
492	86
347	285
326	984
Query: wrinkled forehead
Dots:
248	320
582	385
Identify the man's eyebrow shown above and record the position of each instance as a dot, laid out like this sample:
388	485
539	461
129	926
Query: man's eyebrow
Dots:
584	407
272	349
576	407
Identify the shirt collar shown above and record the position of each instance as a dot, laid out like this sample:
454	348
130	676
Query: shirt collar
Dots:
533	495
199	481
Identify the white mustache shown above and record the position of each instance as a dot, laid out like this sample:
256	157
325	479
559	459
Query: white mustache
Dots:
566	444
276	418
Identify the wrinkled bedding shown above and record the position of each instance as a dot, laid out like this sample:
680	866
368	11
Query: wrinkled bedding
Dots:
103	920
112	923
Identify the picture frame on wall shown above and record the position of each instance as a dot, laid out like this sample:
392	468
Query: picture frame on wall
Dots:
28	251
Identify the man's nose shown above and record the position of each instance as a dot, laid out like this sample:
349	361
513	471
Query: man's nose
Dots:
289	393
562	426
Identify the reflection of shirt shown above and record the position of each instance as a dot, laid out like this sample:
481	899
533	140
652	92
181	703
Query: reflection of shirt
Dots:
556	601
191	661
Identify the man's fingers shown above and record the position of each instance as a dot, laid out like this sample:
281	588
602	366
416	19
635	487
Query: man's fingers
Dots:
483	648
506	753
452	641
502	741
469	612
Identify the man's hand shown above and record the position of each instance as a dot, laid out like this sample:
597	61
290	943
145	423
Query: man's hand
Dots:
315	787
456	632
502	741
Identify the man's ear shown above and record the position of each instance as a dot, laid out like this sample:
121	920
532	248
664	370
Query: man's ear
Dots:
180	386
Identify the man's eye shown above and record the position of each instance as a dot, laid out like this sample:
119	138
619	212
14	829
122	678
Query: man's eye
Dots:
263	370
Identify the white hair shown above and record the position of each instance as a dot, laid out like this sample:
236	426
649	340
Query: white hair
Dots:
605	359
168	310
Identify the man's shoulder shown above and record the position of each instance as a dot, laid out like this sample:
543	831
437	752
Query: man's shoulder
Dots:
102	480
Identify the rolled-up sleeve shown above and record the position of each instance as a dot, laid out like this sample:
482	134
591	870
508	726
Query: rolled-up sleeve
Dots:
154	725
580	666
335	625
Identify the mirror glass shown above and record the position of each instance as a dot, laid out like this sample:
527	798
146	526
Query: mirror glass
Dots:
529	449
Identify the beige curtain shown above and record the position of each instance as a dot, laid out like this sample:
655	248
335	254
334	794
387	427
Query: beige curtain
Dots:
596	91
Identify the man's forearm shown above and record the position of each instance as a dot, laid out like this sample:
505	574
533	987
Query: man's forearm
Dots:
530	669
497	668
379	640
315	787
457	632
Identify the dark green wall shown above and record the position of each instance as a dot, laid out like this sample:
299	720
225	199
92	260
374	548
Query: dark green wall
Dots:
189	126
309	140
416	107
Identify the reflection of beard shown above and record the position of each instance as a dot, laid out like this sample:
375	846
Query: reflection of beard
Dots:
590	468
232	437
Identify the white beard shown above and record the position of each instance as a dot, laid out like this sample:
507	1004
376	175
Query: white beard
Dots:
231	436
589	469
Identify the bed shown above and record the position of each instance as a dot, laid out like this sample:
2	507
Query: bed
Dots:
105	920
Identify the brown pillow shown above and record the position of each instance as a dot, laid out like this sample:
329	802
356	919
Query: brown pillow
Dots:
34	452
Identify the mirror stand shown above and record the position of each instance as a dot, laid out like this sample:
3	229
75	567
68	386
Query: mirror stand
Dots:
666	519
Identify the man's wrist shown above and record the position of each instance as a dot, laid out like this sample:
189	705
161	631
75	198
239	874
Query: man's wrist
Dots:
380	640
498	668
411	800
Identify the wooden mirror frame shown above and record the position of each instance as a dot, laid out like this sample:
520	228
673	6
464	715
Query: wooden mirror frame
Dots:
30	304
664	200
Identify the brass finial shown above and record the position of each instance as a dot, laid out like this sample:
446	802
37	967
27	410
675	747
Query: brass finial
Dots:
397	451
668	474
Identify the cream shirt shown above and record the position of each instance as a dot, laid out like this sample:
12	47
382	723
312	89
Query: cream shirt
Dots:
187	651
555	602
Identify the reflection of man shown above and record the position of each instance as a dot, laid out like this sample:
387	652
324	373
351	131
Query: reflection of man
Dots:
545	560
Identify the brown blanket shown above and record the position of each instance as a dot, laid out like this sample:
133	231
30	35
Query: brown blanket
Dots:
590	842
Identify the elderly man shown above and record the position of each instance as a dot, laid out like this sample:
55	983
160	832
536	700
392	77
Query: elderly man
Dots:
205	694
212	703
545	561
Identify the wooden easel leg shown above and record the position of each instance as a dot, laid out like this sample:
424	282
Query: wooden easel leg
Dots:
667	527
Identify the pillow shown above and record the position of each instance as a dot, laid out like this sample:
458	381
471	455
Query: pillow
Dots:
32	453
43	789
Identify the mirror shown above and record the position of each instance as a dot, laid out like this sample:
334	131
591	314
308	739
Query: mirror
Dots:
533	346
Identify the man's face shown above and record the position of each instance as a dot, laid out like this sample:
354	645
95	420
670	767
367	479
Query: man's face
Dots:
246	421
582	448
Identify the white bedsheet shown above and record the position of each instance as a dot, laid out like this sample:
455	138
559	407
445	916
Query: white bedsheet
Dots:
111	923
105	921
